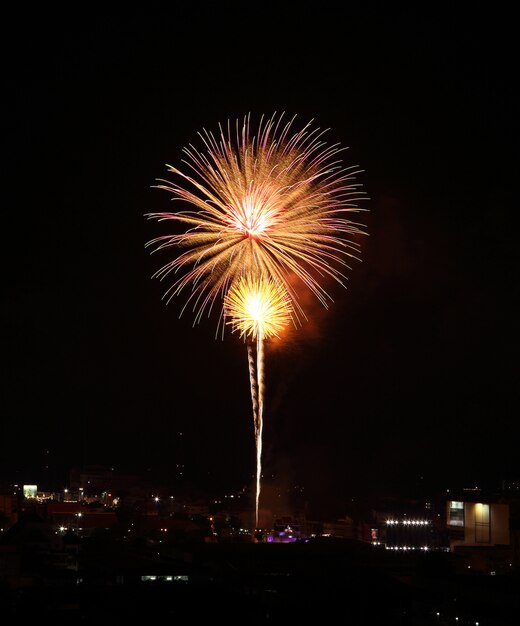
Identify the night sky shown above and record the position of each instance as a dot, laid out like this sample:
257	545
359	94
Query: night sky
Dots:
411	375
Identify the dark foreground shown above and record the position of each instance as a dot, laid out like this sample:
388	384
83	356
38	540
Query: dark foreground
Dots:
323	581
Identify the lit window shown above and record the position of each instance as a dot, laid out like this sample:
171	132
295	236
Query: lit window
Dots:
456	513
482	526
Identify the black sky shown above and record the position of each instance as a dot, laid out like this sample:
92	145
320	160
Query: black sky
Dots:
412	371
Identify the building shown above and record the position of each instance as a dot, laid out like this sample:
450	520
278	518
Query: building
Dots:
480	532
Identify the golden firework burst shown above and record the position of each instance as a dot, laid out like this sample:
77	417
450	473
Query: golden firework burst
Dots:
273	204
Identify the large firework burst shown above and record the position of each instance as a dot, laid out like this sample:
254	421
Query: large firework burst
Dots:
273	203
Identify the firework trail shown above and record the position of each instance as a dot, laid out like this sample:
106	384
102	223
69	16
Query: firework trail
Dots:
260	425
270	207
257	420
258	308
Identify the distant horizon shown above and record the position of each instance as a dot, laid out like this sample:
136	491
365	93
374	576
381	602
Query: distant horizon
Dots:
158	476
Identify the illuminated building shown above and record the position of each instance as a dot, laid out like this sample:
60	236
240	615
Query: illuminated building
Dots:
478	523
404	525
480	532
407	534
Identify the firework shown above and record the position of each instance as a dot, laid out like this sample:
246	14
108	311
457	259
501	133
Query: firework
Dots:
261	216
275	203
258	308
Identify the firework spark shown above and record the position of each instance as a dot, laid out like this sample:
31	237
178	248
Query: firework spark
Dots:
258	308
274	203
